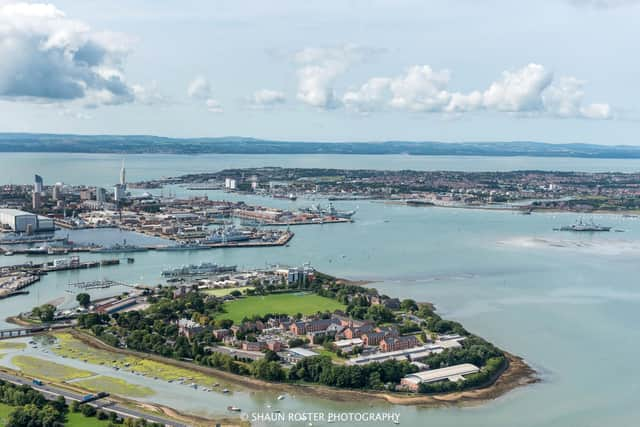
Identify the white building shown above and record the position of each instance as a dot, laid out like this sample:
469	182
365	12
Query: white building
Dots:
230	183
119	192
22	222
451	373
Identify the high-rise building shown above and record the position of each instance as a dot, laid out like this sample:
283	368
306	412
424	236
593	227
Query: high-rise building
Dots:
123	176
119	192
101	195
38	185
57	191
36	200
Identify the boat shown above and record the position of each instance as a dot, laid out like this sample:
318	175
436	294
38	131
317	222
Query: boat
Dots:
119	247
182	247
581	226
227	234
8	253
281	397
201	269
289	196
329	211
225	390
40	250
233	409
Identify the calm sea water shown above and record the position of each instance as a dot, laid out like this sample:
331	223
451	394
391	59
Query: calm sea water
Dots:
103	169
569	304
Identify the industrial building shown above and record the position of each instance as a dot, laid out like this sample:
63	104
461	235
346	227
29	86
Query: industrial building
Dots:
451	373
24	222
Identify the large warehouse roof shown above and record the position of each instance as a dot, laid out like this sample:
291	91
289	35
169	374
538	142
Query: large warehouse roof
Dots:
14	212
450	372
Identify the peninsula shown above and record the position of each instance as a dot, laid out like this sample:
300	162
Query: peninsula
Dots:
299	329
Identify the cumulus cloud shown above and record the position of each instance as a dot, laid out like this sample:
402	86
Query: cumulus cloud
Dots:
518	91
318	70
214	106
49	57
265	98
370	97
528	90
199	88
149	95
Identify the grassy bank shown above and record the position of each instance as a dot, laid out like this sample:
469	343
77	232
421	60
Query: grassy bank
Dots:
114	386
73	348
43	369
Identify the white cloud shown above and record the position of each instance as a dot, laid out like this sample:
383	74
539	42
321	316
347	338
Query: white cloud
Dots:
214	106
596	111
199	88
370	97
265	98
420	89
529	90
319	68
49	57
518	91
149	95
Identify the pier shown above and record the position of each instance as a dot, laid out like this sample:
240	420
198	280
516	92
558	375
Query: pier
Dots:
97	284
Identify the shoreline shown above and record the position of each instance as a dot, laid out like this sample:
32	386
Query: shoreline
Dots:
516	374
517	210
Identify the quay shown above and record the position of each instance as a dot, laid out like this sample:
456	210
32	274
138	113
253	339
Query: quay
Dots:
308	222
14	278
282	240
30	240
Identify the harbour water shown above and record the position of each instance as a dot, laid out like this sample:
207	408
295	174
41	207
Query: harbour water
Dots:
568	303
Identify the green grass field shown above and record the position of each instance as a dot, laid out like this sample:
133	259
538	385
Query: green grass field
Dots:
5	410
76	419
46	370
292	303
114	386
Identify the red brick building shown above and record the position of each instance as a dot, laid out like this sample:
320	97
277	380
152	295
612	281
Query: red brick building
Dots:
400	343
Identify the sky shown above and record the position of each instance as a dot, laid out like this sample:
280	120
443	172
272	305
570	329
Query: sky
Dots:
556	71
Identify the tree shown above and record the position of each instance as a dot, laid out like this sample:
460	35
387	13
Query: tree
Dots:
88	410
408	305
271	356
83	299
44	312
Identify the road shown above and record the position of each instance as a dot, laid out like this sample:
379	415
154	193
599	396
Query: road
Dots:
51	392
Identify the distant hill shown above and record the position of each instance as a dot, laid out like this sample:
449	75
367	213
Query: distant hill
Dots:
139	144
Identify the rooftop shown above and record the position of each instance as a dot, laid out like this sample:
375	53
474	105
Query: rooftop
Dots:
14	212
452	373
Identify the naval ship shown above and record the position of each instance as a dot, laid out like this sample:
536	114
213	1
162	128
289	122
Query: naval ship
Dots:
329	211
201	269
582	226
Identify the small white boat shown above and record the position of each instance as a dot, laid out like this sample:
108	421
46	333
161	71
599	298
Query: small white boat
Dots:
281	397
234	409
225	390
